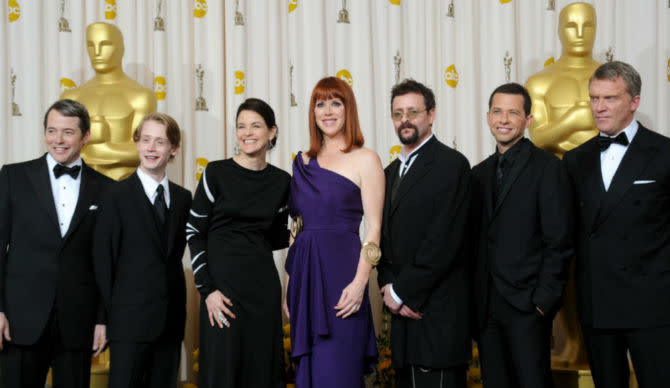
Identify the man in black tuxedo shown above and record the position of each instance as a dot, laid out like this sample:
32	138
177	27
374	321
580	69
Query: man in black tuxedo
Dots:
50	313
423	272
522	217
138	248
621	181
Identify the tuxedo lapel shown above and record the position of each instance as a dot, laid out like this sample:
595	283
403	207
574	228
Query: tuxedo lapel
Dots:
590	173
87	193
145	211
391	175
515	171
38	175
419	168
637	156
489	170
173	218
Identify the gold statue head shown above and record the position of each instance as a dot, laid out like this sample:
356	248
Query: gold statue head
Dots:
105	46
577	28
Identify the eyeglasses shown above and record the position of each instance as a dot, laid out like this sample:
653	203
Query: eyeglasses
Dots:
411	114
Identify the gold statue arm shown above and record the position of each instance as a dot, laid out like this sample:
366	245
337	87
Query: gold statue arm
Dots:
554	135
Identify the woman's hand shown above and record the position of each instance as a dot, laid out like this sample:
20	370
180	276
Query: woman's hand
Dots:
217	308
351	299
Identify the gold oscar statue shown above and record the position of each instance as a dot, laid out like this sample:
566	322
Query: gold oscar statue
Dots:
115	103
561	121
561	112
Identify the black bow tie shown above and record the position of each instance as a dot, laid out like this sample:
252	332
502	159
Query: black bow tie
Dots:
73	171
605	141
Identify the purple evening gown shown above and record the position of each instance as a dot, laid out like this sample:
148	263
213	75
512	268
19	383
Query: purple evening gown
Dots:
329	351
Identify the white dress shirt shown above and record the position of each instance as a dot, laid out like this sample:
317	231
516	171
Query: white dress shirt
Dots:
65	192
611	157
408	159
150	186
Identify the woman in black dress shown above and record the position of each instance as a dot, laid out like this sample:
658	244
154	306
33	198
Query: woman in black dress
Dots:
237	219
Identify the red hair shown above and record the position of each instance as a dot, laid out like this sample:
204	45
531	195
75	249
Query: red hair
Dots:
326	89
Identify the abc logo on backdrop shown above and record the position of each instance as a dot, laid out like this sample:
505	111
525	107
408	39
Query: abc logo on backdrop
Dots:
14	10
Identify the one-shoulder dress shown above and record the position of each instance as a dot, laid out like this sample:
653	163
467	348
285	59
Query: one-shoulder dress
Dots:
328	351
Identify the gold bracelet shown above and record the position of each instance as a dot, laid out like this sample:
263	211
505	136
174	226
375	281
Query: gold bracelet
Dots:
371	253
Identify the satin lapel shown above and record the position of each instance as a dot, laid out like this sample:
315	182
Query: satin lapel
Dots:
588	162
173	213
417	170
514	173
636	158
87	191
145	211
392	173
38	174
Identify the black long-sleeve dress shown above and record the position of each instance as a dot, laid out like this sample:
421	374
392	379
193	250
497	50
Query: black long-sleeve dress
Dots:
237	219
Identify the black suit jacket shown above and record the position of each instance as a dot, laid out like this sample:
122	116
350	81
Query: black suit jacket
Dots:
138	267
424	256
524	239
39	269
623	251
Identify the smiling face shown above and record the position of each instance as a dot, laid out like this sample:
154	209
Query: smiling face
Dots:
253	134
330	116
63	137
507	119
612	106
154	148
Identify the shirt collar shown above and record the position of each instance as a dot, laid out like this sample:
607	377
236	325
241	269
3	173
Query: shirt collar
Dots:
150	185
511	154
51	163
405	157
630	130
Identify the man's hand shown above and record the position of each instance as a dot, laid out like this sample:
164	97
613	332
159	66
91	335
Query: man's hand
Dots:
388	299
4	330
99	339
409	313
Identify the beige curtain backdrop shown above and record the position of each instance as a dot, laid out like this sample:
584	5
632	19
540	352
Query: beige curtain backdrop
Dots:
212	54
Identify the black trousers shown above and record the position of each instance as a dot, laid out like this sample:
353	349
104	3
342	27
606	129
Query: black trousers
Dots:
418	377
607	351
139	365
26	366
514	346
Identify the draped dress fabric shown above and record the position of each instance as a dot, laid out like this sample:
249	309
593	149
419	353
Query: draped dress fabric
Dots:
329	351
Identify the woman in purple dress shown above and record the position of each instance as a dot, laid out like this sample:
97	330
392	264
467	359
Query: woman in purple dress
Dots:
335	183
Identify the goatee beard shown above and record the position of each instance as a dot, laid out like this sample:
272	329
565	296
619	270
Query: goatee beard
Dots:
413	138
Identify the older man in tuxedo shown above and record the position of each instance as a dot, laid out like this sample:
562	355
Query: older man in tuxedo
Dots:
621	180
50	313
423	271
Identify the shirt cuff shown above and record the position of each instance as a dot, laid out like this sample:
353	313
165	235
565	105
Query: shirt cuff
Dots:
395	296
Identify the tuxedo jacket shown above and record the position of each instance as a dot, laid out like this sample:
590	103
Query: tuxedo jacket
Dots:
40	270
524	237
139	263
623	246
424	256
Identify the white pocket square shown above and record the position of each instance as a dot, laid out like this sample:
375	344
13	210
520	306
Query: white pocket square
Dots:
643	182
93	207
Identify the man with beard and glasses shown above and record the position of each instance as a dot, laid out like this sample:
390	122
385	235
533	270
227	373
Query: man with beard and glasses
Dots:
423	272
